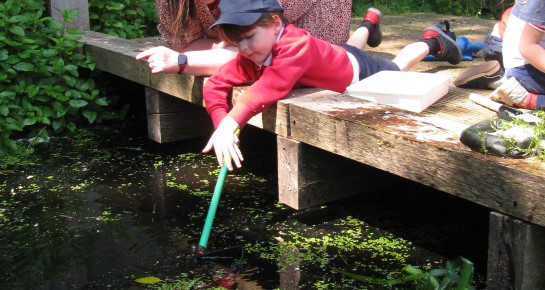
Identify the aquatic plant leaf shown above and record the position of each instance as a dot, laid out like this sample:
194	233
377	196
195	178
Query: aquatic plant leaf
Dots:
148	280
373	280
466	273
409	269
438	272
432	283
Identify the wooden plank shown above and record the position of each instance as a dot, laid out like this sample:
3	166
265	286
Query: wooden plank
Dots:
117	56
400	142
172	119
308	176
56	8
516	254
159	102
170	127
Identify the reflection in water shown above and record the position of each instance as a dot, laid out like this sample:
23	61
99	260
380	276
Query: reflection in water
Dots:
105	207
289	267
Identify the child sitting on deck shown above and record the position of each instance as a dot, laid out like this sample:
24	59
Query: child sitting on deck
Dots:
524	57
274	58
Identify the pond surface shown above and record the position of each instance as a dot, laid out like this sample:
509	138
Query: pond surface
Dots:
107	206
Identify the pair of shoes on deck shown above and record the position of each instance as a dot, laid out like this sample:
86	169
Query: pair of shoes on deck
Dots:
448	49
487	75
372	22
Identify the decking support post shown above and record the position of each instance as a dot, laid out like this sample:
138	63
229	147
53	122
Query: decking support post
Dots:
172	119
516	254
308	176
55	9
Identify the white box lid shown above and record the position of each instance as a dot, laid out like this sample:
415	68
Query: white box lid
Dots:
413	91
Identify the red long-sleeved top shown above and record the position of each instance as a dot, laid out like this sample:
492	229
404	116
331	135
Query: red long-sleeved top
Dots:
298	59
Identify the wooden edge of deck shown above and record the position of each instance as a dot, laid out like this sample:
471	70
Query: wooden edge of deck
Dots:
398	141
117	56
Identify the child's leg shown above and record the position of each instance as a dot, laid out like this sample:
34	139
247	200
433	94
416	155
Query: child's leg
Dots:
369	33
411	55
369	64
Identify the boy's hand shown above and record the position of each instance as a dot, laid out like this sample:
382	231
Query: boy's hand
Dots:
225	142
160	59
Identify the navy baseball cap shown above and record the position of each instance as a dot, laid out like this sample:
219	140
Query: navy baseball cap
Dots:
244	12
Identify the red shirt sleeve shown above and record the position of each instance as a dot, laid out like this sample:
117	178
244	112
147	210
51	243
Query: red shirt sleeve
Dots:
217	88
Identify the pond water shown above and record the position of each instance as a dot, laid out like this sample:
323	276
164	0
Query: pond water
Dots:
107	206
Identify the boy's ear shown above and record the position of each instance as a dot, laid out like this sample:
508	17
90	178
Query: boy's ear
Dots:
277	23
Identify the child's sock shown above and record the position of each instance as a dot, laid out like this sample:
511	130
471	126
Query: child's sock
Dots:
540	102
433	45
530	101
370	26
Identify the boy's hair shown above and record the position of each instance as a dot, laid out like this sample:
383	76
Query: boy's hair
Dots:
232	34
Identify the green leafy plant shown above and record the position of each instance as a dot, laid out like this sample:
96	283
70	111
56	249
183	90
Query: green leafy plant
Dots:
457	275
123	18
45	80
536	146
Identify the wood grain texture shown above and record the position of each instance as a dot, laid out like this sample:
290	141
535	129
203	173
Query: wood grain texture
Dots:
308	176
117	56
516	256
400	142
56	9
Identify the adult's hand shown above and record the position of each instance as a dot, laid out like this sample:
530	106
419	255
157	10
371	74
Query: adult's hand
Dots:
160	59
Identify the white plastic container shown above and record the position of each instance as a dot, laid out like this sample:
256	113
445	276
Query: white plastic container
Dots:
412	91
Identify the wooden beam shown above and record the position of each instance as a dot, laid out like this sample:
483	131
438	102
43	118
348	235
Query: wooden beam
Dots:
308	176
56	8
171	119
117	56
516	254
398	142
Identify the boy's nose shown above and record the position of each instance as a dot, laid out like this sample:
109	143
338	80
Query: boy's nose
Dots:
243	45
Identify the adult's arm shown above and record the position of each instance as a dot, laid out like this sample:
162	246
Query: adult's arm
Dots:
162	59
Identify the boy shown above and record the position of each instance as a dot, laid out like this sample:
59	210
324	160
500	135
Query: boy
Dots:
274	58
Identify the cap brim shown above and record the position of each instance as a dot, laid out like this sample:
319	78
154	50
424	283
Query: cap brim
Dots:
240	19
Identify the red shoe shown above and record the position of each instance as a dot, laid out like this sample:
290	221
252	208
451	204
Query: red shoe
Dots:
373	16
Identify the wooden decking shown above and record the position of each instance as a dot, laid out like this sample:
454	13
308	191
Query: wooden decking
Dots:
422	147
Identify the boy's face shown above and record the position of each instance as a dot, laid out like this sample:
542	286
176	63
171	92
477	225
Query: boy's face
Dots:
257	43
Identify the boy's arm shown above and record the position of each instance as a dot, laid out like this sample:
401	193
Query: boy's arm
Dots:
217	88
